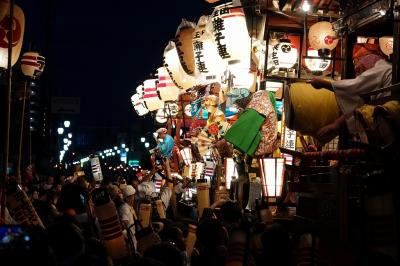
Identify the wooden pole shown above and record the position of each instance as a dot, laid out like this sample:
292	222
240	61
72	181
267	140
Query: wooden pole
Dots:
7	111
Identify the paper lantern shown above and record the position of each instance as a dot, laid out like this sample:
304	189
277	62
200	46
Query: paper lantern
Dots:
4	8
107	215
203	195
20	206
241	77
386	44
169	110
145	213
230	33
284	54
160	208
199	170
322	37
209	65
175	70
316	64
150	95
230	171
17	35
166	87
139	105
186	154
96	169
271	170
183	42
161	116
32	64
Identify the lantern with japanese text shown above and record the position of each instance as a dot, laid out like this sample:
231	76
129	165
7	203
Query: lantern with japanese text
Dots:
272	170
17	37
4	7
32	64
166	87
184	45
322	37
175	70
386	44
284	54
209	64
230	34
316	65
20	206
150	95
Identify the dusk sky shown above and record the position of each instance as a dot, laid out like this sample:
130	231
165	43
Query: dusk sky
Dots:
101	50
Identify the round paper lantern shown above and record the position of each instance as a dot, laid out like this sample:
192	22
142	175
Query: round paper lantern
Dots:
321	37
161	116
184	45
284	54
386	44
166	87
139	105
170	110
230	34
171	62
150	95
316	65
241	77
4	7
32	64
209	65
188	110
17	35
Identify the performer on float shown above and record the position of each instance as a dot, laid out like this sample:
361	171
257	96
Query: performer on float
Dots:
165	143
372	71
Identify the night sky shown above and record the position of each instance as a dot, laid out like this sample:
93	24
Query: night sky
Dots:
101	50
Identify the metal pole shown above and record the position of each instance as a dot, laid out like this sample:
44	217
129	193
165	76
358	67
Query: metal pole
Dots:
7	110
21	134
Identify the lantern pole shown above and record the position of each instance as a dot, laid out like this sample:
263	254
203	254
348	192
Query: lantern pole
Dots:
21	134
7	110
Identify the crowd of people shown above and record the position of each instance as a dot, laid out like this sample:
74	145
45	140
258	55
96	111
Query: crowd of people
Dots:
226	234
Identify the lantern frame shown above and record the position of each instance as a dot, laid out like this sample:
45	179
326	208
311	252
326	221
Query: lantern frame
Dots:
272	172
229	171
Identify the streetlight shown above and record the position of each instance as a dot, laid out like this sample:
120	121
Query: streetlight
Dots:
147	144
142	139
65	147
65	140
67	123
69	135
126	149
60	130
123	145
115	148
